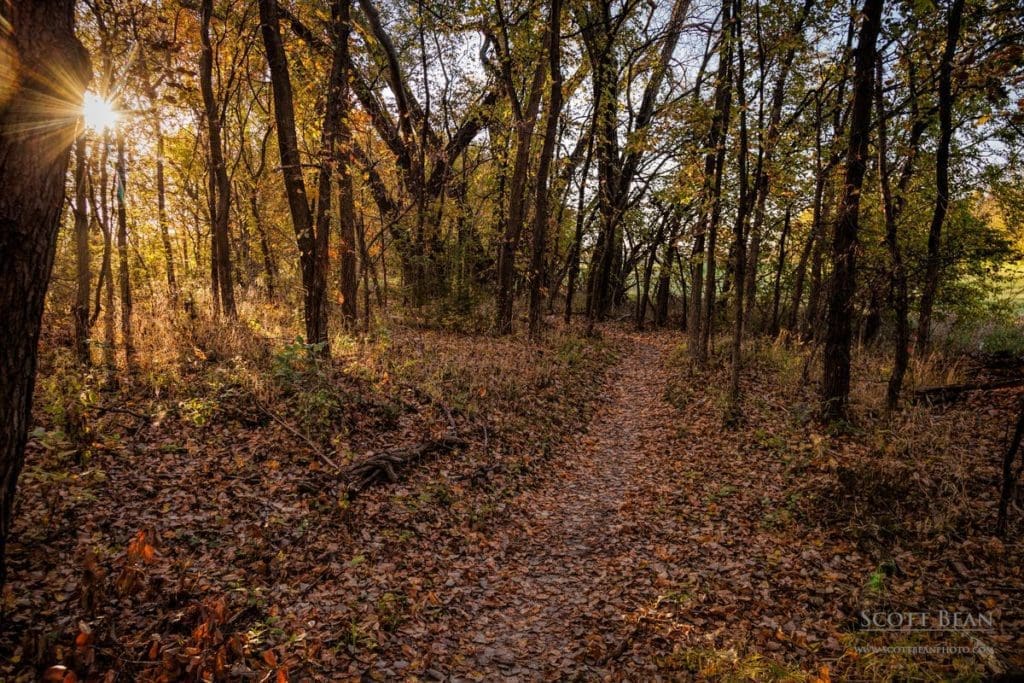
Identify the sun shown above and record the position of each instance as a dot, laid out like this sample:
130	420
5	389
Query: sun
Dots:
99	114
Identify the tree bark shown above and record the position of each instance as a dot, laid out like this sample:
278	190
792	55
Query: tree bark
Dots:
124	281
83	274
945	99
773	327
713	184
44	80
220	185
269	268
598	38
314	282
161	214
576	250
739	227
525	121
763	173
106	266
346	199
836	374
541	217
892	207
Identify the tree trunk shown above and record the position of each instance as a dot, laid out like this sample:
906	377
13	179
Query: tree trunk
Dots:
220	185
713	198
813	314
161	214
313	278
524	125
822	172
598	37
836	373
346	199
619	170
662	290
82	258
331	156
763	173
644	284
123	271
773	328
106	265
739	227
892	206
269	268
46	75
575	251
934	263
541	218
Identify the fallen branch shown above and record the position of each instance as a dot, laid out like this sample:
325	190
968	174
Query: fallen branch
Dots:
954	392
384	466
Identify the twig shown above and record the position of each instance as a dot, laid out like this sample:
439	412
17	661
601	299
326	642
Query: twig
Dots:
284	423
430	398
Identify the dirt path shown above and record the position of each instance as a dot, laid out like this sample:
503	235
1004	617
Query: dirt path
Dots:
552	598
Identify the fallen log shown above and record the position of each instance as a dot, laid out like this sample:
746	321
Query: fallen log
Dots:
954	392
385	465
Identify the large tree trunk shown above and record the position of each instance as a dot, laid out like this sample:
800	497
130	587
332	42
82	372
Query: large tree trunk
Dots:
44	81
220	184
836	376
598	38
934	263
314	282
541	218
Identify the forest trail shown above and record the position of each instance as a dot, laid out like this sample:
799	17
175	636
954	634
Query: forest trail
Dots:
553	595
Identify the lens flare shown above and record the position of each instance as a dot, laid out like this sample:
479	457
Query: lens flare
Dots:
99	114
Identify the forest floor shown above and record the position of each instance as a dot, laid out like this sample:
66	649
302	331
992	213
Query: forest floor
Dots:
602	523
